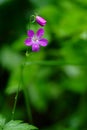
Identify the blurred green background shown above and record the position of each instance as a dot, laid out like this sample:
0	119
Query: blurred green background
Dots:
56	76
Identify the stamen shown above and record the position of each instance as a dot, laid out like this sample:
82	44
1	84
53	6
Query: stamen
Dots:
35	39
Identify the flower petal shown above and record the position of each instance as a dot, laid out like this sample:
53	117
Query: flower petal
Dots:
28	42
43	42
41	21
35	47
40	32
30	33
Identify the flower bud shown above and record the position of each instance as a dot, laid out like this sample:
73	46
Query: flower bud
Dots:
41	21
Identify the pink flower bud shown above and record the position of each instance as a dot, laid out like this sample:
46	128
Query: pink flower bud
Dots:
41	21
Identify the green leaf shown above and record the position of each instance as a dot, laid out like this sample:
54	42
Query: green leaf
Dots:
9	58
18	125
13	82
2	121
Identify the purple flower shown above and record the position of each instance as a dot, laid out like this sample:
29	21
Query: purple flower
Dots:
41	21
36	40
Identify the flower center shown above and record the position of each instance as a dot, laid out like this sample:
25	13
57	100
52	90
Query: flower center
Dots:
35	39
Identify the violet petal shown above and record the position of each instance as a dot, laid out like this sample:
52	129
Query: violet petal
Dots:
40	32
43	42
35	47
28	42
30	33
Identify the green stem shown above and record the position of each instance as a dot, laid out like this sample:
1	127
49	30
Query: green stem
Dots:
26	94
31	20
21	81
15	102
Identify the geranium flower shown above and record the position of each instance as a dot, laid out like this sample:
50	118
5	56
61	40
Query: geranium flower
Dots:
36	40
41	21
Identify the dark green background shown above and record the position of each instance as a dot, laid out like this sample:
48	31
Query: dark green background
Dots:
56	76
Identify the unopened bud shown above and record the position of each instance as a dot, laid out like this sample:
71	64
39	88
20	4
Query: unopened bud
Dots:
41	21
